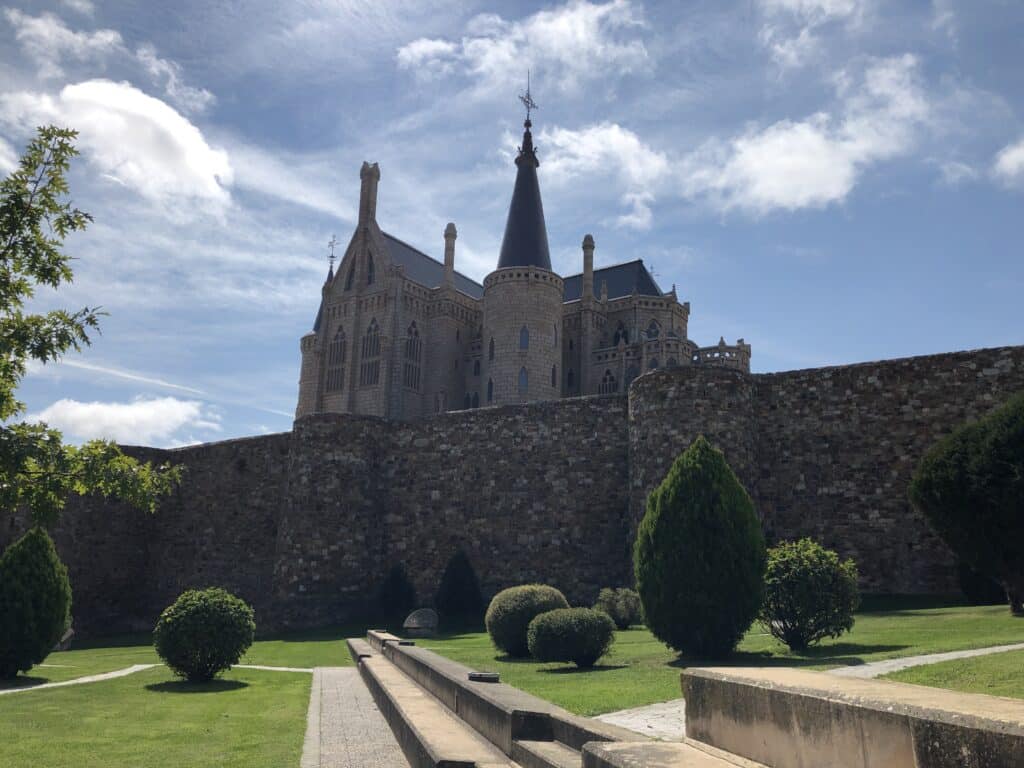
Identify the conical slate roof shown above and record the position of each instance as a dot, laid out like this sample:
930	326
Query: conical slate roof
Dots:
526	237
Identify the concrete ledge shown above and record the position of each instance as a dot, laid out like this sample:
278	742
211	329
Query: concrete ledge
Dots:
358	649
791	718
661	755
378	638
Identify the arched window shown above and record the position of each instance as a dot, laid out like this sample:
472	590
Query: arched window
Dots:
413	354
336	362
490	391
490	349
570	345
608	384
555	329
369	359
570	379
476	367
653	329
466	401
524	381
631	374
351	276
369	269
620	334
554	375
524	338
652	364
671	363
476	399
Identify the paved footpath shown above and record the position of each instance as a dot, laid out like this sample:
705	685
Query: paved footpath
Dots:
80	680
344	728
667	720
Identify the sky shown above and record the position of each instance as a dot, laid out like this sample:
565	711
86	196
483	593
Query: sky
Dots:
834	181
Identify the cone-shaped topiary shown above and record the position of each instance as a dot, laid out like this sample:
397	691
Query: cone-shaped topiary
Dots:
396	595
511	611
459	591
699	557
204	632
970	486
35	602
579	635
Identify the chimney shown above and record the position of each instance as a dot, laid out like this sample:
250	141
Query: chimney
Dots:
369	175
449	253
588	267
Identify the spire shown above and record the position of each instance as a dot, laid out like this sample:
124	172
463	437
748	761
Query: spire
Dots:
526	237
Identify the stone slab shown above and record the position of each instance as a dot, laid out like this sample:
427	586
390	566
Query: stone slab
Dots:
660	755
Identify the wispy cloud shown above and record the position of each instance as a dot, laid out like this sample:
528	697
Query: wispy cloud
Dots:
790	29
48	41
167	72
1009	163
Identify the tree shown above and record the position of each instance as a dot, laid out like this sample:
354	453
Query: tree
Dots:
970	487
459	591
37	470
699	557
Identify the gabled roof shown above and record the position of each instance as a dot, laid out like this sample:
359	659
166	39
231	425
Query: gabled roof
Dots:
620	279
426	270
525	243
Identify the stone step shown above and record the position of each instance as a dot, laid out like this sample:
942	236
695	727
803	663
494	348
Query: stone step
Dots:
430	735
358	649
545	754
663	754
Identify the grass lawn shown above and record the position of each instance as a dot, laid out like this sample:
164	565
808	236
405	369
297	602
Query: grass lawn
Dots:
246	720
640	670
997	675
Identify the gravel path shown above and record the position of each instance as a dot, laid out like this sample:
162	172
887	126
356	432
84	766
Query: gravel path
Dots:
80	680
879	668
344	728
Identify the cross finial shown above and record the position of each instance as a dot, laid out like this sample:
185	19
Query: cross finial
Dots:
333	242
527	100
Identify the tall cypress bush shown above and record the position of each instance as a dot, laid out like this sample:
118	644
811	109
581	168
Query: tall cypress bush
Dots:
699	557
459	591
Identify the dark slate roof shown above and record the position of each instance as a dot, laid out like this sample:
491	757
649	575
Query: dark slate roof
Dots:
526	237
620	278
425	270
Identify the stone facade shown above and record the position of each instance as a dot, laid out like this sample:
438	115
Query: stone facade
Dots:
305	524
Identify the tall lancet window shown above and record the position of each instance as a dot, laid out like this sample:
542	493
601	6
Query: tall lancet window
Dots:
554	375
524	381
490	391
620	334
369	269
351	276
413	353
653	330
490	349
369	359
336	362
524	338
608	384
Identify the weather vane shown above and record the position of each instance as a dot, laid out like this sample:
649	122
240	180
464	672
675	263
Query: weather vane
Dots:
331	244
527	100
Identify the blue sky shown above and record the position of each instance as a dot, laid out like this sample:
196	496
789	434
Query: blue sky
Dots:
832	180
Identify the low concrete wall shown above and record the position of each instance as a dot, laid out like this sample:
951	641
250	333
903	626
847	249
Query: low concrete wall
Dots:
796	719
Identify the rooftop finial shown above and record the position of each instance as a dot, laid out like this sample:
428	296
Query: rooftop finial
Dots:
527	100
333	242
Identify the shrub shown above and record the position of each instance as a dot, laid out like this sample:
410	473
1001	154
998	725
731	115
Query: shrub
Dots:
459	592
809	593
35	602
979	588
203	633
970	487
623	605
397	595
511	611
579	635
699	556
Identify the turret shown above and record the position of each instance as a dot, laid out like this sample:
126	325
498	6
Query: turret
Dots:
369	176
588	266
450	234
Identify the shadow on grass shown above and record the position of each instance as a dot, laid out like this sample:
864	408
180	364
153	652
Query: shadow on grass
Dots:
22	681
184	686
840	654
582	670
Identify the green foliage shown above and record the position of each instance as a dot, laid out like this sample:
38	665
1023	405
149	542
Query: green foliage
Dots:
623	605
36	469
511	611
579	635
459	591
809	594
35	602
979	588
204	633
397	595
970	487
699	556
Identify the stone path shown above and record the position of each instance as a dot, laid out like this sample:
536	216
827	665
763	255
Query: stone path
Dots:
80	680
666	721
344	728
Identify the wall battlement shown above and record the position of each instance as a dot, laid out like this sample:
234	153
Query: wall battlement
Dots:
305	524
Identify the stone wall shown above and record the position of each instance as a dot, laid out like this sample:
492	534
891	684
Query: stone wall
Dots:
305	524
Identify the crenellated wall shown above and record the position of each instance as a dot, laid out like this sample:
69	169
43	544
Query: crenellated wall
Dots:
305	524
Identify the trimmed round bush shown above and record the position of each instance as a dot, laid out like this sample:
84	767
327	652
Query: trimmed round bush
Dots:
459	591
699	556
35	602
511	611
579	635
809	593
204	633
622	604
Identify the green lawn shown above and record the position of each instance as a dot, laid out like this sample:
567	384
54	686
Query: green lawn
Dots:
997	675
640	670
248	719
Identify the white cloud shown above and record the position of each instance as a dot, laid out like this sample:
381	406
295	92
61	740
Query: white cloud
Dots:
816	161
1009	164
956	172
135	139
84	7
790	27
604	150
48	41
577	42
168	72
139	422
8	157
